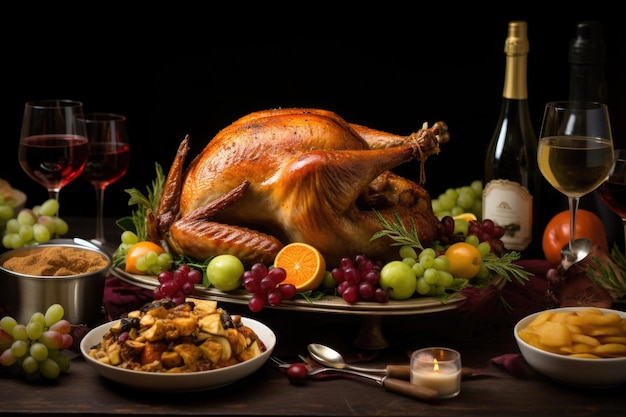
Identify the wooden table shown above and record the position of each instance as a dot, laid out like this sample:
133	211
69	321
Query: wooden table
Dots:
496	392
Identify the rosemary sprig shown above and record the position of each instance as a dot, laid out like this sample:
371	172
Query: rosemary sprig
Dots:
398	232
605	276
505	266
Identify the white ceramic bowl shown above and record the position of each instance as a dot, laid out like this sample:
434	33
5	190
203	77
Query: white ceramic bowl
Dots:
582	372
182	382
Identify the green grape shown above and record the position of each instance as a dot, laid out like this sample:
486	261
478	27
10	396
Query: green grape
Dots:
426	261
472	240
49	368
165	260
19	332
409	261
61	360
456	210
54	313
12	241
41	233
441	263
422	287
30	365
430	252
483	272
12	226
49	207
47	221
407	251
7	323
26	216
483	248
418	269
39	351
461	226
34	329
444	279
436	205
19	348
129	238
6	212
60	226
26	232
452	193
141	264
38	317
431	275
151	257
477	186
446	202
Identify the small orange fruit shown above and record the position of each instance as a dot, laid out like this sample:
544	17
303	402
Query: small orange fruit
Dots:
304	264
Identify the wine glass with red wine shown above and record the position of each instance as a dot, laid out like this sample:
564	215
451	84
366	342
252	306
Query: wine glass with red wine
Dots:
53	143
612	192
109	157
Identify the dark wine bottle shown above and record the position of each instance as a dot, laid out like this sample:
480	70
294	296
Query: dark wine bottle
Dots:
587	57
512	178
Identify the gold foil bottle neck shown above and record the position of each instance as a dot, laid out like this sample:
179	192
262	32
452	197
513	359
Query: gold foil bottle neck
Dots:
517	40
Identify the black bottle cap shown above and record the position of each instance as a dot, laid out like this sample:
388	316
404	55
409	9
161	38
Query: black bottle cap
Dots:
588	45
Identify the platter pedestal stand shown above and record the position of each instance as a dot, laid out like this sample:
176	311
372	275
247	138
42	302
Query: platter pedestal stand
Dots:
371	335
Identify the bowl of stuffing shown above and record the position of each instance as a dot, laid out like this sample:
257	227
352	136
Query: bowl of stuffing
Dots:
206	347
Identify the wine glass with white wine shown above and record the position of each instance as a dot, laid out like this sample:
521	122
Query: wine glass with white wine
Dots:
575	155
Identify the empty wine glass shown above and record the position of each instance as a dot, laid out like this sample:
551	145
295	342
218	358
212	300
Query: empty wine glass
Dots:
612	192
53	143
109	157
575	152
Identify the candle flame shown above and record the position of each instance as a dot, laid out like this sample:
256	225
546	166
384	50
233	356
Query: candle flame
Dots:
435	365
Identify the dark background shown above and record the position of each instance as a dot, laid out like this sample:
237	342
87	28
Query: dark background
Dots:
193	71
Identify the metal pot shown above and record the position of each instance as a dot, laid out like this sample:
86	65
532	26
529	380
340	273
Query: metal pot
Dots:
81	295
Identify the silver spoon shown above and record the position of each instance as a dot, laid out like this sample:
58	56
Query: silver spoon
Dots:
579	251
330	357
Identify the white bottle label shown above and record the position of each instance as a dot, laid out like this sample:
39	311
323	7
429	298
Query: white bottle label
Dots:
510	206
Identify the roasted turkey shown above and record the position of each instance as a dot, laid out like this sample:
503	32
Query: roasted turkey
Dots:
295	174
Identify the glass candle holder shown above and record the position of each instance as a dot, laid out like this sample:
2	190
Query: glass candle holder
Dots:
437	368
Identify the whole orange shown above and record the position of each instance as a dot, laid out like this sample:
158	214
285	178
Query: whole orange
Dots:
556	234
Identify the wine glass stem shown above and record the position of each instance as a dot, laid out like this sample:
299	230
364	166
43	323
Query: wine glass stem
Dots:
573	208
53	194
100	213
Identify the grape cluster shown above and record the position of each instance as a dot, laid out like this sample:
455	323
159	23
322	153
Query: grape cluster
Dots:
430	268
32	226
36	347
178	284
485	231
358	279
454	201
265	285
488	231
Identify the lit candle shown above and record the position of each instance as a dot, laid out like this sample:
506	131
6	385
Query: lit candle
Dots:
437	368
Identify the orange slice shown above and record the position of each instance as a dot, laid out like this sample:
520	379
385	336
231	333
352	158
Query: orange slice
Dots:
304	264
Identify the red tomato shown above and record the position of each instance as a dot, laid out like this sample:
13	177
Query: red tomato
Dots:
556	233
137	251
